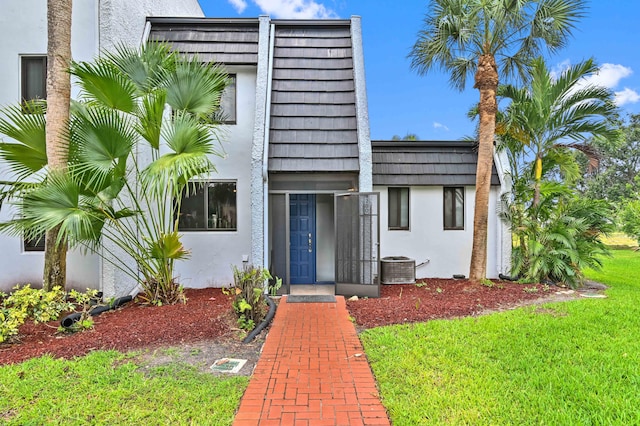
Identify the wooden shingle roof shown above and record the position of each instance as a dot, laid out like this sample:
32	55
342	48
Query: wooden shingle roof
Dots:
227	41
400	163
313	103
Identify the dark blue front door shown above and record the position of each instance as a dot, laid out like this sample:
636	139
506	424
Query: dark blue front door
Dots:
302	238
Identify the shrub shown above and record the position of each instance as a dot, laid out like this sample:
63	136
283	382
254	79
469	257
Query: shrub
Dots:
249	303
26	303
38	304
10	322
630	219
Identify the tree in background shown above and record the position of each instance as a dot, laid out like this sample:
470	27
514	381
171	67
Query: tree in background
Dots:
487	39
630	219
58	101
407	137
617	176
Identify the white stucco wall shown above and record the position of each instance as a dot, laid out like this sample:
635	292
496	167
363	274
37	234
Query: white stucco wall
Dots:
214	252
448	251
123	21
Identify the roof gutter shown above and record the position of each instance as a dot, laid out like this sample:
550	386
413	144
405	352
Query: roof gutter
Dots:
265	152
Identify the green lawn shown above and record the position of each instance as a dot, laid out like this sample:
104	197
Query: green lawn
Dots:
558	364
107	388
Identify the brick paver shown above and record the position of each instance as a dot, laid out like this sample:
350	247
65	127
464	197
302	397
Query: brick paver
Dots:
312	371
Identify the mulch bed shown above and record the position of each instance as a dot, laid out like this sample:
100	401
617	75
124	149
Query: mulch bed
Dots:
207	315
438	298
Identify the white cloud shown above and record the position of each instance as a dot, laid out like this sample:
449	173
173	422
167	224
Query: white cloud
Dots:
294	9
238	5
437	125
560	68
609	76
627	96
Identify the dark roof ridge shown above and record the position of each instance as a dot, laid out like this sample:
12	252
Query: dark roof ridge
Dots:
422	143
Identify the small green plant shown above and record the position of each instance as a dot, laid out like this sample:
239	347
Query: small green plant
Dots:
29	303
530	290
38	304
421	284
274	286
249	303
487	283
10	322
86	302
439	290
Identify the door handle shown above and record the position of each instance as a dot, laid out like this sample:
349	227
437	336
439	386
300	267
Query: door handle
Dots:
310	243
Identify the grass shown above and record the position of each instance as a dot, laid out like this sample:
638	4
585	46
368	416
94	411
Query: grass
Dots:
619	240
565	363
107	388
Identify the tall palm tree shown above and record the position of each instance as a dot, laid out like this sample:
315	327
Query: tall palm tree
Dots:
555	114
107	193
58	101
489	39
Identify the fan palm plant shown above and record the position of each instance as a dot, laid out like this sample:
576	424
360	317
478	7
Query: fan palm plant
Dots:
141	130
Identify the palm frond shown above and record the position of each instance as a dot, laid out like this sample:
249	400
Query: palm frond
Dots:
26	125
103	82
195	87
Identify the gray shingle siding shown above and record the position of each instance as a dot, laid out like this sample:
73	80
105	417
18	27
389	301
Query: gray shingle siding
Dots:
313	105
399	163
214	40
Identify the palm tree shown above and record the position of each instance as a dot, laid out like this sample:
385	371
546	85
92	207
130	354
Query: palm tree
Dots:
58	101
555	114
107	193
489	39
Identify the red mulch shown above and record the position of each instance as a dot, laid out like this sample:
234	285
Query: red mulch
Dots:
207	315
437	298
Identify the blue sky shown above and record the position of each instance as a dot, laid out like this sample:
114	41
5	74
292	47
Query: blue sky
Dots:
401	102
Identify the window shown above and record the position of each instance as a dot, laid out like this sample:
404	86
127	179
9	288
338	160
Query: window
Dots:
227	112
209	206
36	244
454	208
34	77
398	208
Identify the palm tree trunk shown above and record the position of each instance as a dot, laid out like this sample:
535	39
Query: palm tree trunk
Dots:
58	102
538	177
486	81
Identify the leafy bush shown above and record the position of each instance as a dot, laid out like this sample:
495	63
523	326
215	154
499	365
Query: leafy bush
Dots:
249	303
26	303
38	304
559	242
10	322
630	219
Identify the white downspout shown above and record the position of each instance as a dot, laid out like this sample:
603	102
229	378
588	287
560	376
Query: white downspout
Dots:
265	152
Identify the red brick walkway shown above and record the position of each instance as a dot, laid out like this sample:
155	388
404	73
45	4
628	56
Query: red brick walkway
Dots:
312	371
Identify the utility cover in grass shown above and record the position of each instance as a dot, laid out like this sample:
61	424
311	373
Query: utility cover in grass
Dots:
228	365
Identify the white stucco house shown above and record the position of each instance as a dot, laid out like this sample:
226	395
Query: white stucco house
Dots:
302	189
